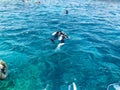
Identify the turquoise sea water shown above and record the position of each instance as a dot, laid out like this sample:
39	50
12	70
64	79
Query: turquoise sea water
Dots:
90	58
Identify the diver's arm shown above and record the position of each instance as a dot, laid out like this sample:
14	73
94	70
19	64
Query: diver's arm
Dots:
54	33
67	37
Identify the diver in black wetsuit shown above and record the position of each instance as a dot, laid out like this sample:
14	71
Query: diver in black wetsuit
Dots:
61	36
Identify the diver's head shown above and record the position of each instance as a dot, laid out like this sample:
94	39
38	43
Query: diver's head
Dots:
66	12
59	32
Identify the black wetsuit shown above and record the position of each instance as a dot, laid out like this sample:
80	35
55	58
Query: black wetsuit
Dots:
56	36
62	40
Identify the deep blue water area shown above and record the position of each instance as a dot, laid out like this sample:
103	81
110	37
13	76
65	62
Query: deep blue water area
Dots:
90	58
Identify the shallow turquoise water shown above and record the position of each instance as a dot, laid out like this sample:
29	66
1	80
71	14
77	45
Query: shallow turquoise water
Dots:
90	58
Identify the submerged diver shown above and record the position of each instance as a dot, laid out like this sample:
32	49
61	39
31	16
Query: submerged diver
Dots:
61	36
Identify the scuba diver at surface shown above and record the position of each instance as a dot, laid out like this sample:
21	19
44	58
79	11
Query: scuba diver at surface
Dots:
61	36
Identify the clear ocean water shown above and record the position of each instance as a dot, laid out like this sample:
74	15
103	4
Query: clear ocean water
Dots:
90	58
